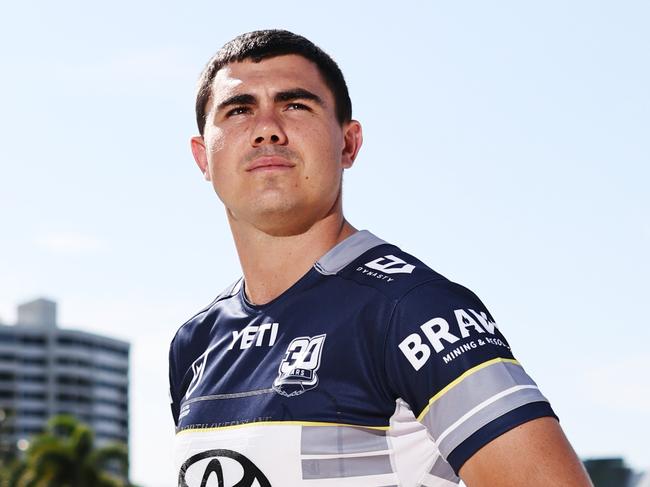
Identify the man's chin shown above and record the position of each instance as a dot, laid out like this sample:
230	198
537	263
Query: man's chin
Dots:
283	217
278	221
284	225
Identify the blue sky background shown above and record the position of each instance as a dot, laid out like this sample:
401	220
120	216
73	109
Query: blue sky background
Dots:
506	144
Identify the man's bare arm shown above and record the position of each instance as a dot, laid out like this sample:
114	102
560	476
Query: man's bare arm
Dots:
534	454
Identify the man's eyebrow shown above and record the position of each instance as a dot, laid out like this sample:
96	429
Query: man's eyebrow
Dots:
298	94
242	99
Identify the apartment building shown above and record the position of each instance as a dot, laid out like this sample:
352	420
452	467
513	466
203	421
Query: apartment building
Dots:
46	370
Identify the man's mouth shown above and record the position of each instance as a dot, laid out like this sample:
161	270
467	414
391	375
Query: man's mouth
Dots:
269	163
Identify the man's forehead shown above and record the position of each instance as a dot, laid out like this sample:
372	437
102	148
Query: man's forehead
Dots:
274	74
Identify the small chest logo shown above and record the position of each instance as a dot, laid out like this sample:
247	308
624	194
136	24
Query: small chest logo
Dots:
297	371
198	367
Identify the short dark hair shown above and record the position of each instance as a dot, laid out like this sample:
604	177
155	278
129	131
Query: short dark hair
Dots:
263	44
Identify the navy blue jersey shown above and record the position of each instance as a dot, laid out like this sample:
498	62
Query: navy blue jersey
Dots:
371	370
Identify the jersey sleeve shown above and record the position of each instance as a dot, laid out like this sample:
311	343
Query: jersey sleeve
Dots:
446	357
173	385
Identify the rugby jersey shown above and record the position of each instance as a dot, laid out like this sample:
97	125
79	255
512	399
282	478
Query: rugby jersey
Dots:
371	370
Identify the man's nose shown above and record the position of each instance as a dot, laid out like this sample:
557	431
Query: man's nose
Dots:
268	130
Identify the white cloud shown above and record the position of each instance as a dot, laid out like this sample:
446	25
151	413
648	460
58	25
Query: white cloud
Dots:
71	243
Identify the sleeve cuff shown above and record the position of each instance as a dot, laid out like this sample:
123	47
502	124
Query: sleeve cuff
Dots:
496	428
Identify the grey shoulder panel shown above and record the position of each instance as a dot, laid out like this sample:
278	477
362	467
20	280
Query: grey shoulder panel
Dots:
347	251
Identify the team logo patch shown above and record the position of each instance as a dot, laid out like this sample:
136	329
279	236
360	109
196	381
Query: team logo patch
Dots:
389	264
297	371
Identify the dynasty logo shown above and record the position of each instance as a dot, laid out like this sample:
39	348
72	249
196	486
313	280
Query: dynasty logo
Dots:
385	267
389	264
297	371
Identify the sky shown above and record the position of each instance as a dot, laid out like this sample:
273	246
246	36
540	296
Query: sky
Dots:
506	144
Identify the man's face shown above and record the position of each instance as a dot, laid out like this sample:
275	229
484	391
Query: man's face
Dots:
272	146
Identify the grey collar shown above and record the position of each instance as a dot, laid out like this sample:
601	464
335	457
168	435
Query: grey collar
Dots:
346	251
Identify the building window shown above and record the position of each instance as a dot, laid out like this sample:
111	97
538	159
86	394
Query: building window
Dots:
32	395
33	361
32	340
7	338
36	413
34	379
67	380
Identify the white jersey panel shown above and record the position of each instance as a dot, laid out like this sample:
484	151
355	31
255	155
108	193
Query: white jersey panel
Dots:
284	456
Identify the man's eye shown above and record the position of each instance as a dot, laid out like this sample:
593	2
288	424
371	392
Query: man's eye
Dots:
297	106
237	111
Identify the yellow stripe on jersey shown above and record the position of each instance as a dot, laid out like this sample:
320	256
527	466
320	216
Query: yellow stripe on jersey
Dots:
281	423
460	378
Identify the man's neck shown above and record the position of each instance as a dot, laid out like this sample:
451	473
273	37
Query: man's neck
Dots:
272	264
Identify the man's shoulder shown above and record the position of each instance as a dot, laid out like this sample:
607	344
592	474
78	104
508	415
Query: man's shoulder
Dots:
398	274
203	320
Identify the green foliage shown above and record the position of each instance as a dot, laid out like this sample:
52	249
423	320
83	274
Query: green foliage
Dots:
65	456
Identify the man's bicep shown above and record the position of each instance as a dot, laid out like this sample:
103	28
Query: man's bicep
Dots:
535	453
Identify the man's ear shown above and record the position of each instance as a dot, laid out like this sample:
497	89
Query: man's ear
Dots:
200	155
352	140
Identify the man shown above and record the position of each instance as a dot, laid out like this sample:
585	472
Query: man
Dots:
337	359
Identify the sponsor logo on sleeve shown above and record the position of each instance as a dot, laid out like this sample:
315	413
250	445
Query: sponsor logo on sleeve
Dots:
297	371
439	337
221	468
389	264
384	267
